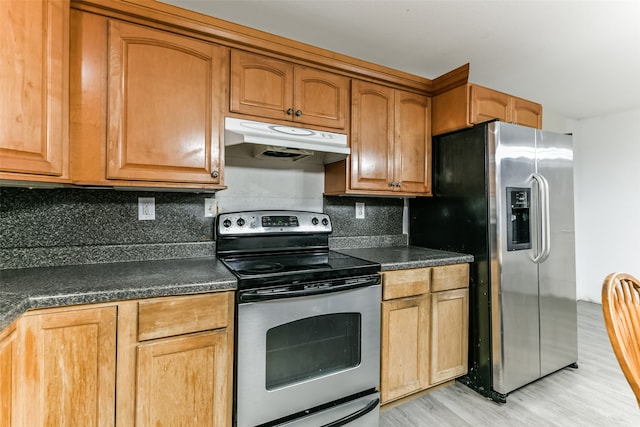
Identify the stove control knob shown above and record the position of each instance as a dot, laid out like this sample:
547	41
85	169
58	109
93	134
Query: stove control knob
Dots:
240	222
325	221
226	223
314	221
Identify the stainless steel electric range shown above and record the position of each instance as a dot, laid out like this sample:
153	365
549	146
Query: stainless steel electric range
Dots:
308	322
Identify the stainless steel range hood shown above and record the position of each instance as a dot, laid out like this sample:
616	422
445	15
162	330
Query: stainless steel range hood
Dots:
285	142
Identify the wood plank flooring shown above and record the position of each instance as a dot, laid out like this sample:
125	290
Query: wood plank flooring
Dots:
595	394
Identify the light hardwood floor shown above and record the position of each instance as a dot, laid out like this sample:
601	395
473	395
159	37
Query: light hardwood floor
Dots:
595	394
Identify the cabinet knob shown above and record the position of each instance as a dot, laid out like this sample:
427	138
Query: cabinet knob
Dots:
215	174
298	113
392	184
398	184
290	111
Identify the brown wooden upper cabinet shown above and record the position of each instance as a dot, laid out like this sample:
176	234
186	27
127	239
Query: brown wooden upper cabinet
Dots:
34	85
390	144
275	89
469	104
163	96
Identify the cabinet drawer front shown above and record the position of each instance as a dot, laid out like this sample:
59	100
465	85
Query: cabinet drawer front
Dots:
405	283
166	317
450	277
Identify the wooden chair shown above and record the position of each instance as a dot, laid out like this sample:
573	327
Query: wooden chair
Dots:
621	308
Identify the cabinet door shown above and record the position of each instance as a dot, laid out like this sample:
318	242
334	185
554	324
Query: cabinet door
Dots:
412	143
34	36
164	104
7	375
404	347
320	97
449	332
487	104
67	368
372	122
261	86
526	113
184	381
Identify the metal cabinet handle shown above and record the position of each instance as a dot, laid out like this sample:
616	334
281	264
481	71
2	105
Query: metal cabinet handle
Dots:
290	111
392	184
298	113
399	184
215	174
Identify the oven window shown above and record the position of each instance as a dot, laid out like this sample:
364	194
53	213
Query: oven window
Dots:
312	347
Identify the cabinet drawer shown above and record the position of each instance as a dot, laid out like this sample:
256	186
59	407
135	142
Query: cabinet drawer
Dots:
405	283
450	277
164	317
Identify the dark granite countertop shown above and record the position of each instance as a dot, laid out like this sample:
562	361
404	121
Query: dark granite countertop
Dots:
403	257
44	287
23	289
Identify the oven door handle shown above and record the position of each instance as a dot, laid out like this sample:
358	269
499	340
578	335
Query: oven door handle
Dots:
352	417
266	296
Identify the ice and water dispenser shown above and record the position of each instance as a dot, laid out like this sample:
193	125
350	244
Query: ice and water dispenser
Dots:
518	217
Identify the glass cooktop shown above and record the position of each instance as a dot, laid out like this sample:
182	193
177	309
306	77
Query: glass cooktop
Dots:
261	270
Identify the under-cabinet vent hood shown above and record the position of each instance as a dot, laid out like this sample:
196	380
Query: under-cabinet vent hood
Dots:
285	142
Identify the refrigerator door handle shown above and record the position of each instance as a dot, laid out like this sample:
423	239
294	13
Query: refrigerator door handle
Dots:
546	220
545	225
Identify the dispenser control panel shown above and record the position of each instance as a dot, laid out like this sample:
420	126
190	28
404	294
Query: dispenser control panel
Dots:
518	218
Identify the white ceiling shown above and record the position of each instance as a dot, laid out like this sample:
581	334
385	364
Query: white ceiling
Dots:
579	58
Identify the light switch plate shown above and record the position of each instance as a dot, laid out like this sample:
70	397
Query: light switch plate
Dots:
359	210
146	208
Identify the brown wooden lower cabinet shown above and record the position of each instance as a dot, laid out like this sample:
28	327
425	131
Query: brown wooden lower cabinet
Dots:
424	329
404	347
67	367
161	361
449	334
7	375
183	381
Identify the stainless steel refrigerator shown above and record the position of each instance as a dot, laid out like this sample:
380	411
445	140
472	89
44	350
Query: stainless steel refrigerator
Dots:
504	193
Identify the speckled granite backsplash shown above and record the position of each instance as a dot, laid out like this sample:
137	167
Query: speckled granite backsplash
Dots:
44	227
47	227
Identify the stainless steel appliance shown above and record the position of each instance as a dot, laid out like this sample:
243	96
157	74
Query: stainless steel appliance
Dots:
504	193
308	322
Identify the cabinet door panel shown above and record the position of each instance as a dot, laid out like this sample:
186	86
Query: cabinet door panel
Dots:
321	97
261	86
372	136
487	104
34	84
405	347
164	103
412	142
7	375
67	370
449	332
526	113
183	381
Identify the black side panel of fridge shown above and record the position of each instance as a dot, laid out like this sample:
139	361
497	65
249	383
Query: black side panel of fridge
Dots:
457	219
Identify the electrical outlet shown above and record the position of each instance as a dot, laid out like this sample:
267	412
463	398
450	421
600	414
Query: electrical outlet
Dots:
210	207
146	208
359	210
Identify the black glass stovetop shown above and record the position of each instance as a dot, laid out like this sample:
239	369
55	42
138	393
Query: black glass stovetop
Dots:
263	270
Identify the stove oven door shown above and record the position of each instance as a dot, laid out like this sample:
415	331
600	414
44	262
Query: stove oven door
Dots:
299	353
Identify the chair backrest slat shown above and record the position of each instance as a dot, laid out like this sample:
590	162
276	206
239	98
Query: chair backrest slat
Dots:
621	309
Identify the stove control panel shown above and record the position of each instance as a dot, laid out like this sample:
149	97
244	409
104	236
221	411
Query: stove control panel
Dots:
272	222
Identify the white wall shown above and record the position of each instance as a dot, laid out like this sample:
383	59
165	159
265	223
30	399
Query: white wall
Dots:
270	184
607	199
